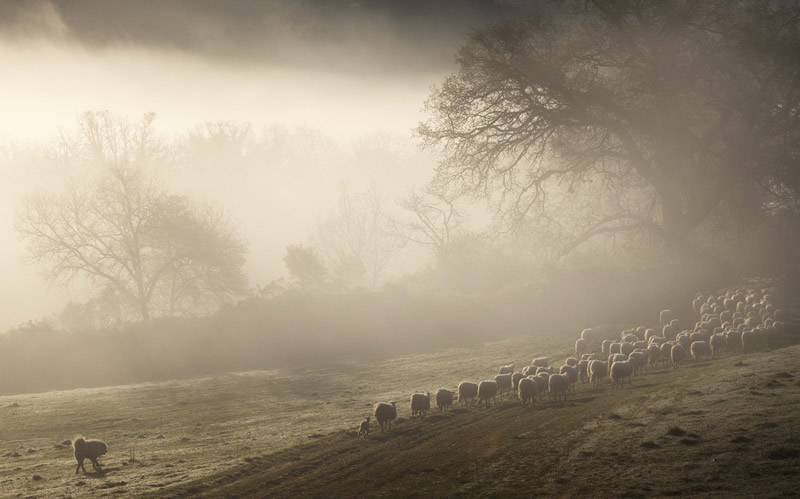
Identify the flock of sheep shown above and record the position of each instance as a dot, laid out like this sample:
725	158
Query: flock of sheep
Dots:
736	320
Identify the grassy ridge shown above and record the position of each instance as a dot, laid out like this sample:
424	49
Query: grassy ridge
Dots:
722	428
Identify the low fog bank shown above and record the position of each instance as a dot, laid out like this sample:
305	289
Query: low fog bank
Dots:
294	326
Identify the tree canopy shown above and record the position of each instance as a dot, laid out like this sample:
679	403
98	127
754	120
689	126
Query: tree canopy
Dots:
660	111
117	227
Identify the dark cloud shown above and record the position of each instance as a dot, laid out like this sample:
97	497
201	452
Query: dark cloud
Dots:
383	35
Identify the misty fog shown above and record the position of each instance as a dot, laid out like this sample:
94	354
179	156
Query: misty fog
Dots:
336	96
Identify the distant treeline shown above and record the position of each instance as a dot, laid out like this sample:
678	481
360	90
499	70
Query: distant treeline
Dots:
300	327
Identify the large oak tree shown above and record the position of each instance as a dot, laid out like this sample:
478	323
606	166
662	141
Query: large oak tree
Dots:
667	109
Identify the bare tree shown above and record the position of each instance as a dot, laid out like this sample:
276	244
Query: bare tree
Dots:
123	231
434	219
670	106
356	238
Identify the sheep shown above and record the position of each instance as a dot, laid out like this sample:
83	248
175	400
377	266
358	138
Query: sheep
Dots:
527	391
515	378
614	347
91	449
545	376
509	369
548	370
626	349
528	370
619	371
363	429
467	391
583	371
541	384
444	398
677	354
572	375
666	316
734	339
504	383
699	349
748	340
587	356
653	354
580	347
558	386
420	404
638	361
666	349
616	357
604	347
597	370
539	362
587	335
571	361
385	413
487	389
718	342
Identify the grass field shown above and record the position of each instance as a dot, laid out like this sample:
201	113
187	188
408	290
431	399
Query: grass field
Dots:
721	428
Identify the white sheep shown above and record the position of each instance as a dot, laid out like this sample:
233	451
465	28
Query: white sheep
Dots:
605	346
467	391
420	404
749	340
677	353
572	375
558	384
620	370
638	362
363	429
527	391
540	362
580	346
487	389
583	371
509	369
699	349
666	316
444	398
385	413
626	348
504	383
571	361
718	342
515	378
597	370
91	449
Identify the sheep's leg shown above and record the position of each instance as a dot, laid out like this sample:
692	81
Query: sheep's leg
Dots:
95	463
80	465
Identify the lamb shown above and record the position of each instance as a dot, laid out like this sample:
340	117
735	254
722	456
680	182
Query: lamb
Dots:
558	386
467	391
91	449
597	370
699	349
444	398
363	429
509	369
385	413
527	391
504	383
619	371
677	354
487	389
420	404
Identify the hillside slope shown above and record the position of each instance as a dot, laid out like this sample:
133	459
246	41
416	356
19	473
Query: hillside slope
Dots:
728	427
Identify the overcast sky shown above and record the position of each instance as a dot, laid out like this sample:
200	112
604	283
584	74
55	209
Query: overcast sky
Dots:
346	68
